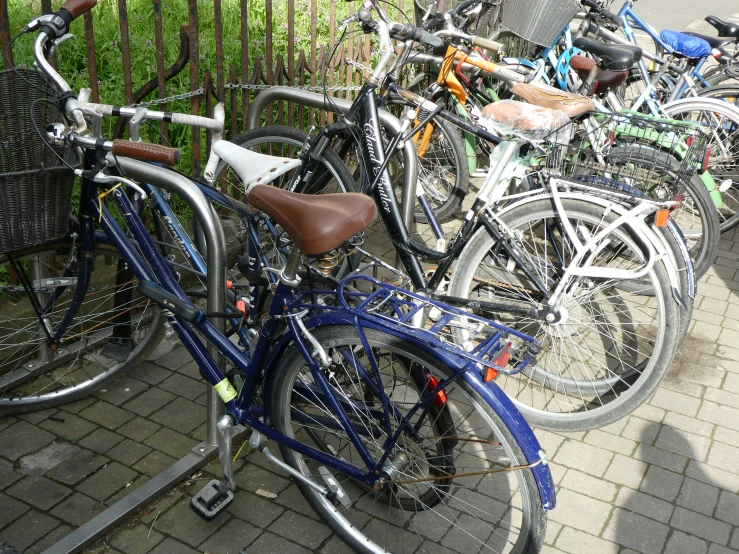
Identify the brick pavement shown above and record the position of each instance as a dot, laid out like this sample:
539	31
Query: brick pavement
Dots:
664	480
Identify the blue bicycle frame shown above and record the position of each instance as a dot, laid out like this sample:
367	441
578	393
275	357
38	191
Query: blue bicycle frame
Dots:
147	263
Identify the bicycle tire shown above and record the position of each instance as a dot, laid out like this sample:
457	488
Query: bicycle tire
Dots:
705	235
641	359
446	184
396	506
86	316
723	161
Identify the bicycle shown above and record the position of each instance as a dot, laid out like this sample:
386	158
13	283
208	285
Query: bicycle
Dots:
359	392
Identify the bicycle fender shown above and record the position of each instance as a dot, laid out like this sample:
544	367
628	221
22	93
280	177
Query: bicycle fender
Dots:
683	246
498	401
710	183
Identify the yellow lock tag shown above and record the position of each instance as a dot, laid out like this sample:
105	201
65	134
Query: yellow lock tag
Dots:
226	391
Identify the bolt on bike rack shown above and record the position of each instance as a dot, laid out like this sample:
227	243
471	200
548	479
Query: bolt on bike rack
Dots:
201	454
339	105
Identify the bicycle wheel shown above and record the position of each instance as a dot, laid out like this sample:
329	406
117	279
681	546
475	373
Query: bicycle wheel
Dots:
500	512
443	169
723	124
113	329
332	177
611	349
697	216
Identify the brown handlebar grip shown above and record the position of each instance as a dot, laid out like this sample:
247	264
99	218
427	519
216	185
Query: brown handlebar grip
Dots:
77	7
146	152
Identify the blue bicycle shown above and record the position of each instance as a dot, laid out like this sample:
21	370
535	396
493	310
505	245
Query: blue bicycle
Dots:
382	401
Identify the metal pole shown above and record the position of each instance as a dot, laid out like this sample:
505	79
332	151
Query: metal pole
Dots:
201	454
339	105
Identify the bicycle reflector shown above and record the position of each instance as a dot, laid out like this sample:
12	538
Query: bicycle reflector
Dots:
431	383
662	218
706	155
501	360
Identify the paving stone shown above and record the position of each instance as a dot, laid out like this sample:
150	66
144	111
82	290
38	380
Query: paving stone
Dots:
577	542
78	509
662	483
590	486
152	513
550	442
254	509
293	499
128	489
32	527
181	415
21	439
10	509
728	508
635	531
714	548
680	543
39	491
735	541
150	373
106	415
128	452
271	544
73	428
724	456
101	440
298	528
731	383
683	443
190	370
49	539
651	413
234	537
553	530
689	424
175	359
581	512
107	481
610	442
675	402
137	540
78	405
719	414
706	331
139	429
626	471
644	504
38	416
185	525
170	442
184	386
79	466
47	458
700	525
7	475
698	496
714	291
149	401
713	476
252	478
153	463
121	391
662	458
723	397
337	546
171	546
587	458
641	430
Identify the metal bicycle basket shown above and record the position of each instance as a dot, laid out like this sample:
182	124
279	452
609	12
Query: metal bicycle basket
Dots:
539	21
35	184
632	153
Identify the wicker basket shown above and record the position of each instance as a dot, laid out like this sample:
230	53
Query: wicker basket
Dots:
539	21
35	185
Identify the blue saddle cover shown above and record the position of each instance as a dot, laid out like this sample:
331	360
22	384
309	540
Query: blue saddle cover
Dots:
685	45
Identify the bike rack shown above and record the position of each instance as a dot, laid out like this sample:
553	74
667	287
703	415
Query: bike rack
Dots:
339	105
201	454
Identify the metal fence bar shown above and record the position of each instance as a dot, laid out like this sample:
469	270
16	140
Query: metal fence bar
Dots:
159	45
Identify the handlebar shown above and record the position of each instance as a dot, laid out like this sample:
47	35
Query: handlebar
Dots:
603	12
146	152
411	32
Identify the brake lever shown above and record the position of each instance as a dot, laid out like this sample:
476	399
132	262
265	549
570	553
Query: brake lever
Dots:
57	42
112	179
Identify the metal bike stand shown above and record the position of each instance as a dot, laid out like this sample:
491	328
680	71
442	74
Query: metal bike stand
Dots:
201	454
338	105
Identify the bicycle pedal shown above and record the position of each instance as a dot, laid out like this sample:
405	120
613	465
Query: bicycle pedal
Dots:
337	491
211	500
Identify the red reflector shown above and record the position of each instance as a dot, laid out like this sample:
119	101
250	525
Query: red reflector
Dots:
679	199
689	140
431	383
490	374
229	284
662	218
241	306
502	359
706	159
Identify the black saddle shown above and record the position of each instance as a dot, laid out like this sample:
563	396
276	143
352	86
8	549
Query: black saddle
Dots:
715	42
724	28
613	57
